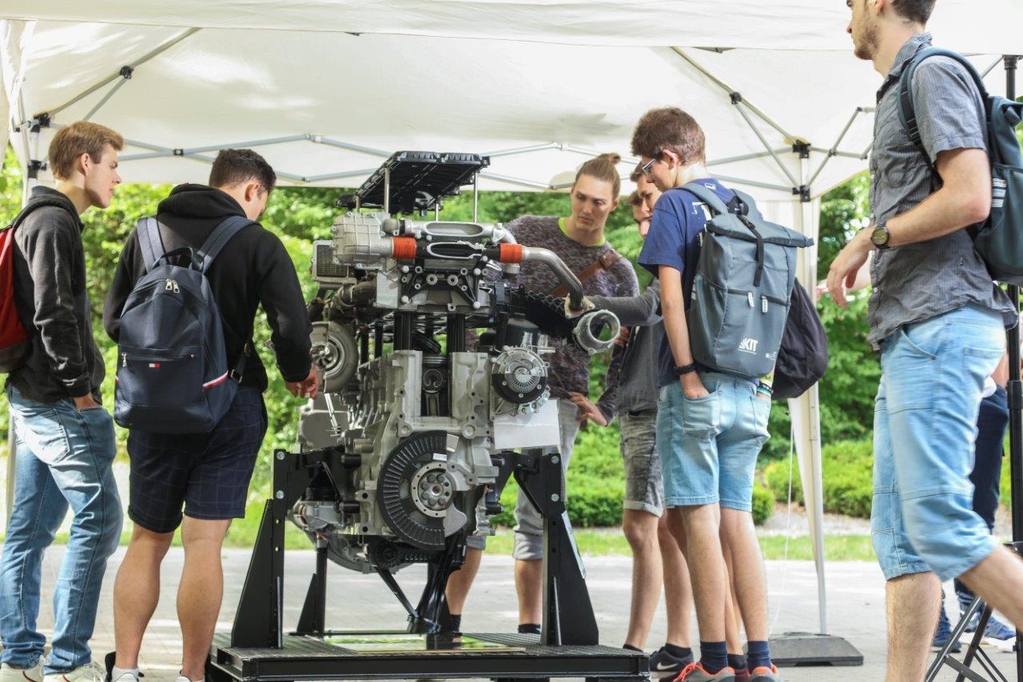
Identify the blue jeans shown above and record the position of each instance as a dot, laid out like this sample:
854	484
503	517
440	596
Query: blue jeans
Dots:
63	460
925	425
709	445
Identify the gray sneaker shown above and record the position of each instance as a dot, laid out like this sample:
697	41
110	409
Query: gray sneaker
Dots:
9	673
765	674
694	672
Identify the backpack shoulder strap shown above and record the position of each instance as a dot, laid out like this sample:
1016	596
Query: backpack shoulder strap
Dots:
150	241
907	110
33	205
707	196
219	237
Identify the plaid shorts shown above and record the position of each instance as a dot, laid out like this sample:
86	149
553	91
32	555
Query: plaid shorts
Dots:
206	473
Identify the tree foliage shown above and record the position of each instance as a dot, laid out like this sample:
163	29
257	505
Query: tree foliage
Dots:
301	215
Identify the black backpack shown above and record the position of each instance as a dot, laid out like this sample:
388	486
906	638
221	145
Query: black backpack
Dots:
14	338
172	369
999	239
803	356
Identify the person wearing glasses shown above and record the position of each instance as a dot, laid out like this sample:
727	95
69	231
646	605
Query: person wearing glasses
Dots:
580	242
710	426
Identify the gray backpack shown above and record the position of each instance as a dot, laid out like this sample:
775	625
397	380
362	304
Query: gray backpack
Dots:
743	284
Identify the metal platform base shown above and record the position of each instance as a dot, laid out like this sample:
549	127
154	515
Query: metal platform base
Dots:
377	655
808	649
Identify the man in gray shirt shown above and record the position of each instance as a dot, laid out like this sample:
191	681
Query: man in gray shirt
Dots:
938	321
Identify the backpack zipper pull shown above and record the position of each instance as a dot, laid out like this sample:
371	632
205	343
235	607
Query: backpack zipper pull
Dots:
763	304
749	297
124	359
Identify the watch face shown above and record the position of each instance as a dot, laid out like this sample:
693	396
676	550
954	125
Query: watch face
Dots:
879	236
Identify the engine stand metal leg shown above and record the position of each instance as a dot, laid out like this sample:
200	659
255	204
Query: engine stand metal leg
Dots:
314	610
542	477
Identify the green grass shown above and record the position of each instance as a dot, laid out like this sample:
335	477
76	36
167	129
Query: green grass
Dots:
591	541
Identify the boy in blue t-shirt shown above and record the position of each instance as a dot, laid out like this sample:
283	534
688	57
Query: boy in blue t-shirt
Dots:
710	426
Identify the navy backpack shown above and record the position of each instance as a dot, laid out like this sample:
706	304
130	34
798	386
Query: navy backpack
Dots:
172	369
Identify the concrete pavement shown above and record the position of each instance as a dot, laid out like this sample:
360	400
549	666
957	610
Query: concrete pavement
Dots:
855	606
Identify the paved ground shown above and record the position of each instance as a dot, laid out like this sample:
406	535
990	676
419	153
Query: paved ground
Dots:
855	607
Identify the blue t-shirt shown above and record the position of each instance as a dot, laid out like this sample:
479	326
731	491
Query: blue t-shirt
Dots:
673	240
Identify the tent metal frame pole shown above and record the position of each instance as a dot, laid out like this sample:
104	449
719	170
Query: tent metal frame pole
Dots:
754	183
12	436
1015	392
525	150
745	157
532	184
767	146
120	74
833	151
734	94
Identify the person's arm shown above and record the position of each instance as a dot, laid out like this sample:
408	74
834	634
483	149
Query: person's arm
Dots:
49	252
281	296
677	330
963	200
633	311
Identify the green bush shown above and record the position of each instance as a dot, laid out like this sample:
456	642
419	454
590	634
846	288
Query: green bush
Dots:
763	503
847	473
777	476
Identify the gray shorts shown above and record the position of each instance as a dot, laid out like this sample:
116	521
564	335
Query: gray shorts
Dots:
529	526
644	490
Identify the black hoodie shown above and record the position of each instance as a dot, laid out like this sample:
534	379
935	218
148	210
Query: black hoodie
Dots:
252	268
50	296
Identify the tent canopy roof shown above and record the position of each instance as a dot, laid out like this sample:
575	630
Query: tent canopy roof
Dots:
326	89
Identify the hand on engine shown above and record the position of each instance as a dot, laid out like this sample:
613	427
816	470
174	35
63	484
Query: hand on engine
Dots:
588	410
308	387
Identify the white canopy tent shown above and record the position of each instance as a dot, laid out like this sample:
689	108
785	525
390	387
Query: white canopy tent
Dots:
326	89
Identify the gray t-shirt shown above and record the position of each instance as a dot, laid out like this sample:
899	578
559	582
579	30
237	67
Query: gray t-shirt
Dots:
919	281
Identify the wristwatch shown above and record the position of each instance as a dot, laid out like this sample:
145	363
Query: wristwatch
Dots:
880	235
685	369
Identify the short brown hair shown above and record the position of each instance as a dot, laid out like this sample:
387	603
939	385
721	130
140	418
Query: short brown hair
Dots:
81	137
669	128
917	11
635	199
233	166
603	168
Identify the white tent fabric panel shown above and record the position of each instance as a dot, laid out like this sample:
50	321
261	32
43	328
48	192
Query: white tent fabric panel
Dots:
382	93
785	24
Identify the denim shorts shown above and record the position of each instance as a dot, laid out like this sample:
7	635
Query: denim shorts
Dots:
925	426
709	445
207	473
644	490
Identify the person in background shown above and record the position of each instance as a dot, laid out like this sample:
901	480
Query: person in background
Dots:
710	425
65	437
939	324
207	474
579	241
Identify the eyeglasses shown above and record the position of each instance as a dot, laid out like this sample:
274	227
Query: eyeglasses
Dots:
648	166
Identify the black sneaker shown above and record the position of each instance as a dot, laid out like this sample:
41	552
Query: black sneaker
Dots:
665	666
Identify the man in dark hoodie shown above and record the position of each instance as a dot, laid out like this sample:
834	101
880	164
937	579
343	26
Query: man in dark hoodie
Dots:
65	438
207	473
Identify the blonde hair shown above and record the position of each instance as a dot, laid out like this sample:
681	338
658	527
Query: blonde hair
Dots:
603	168
81	137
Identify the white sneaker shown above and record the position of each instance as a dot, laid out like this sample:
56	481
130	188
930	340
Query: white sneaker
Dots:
128	677
90	672
182	678
11	674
